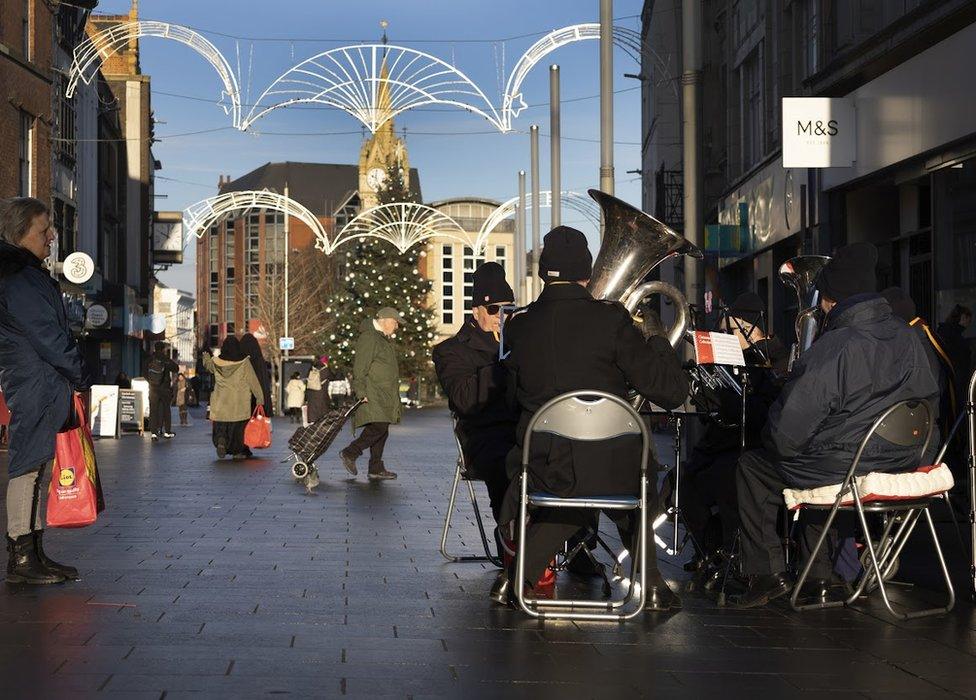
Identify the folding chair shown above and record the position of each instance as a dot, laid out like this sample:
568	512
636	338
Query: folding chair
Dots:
587	415
461	474
907	424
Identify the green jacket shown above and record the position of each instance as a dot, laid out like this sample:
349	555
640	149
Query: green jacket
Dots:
236	382
376	376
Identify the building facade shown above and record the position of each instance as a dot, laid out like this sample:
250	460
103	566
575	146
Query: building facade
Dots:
450	264
902	66
178	308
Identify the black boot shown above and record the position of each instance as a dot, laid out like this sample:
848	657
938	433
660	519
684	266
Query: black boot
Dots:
23	566
763	589
69	572
660	597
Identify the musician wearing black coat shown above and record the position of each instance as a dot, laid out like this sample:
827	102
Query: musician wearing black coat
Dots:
474	381
567	341
864	362
708	479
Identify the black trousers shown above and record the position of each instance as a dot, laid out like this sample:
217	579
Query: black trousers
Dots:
707	481
160	414
373	437
496	481
549	528
761	509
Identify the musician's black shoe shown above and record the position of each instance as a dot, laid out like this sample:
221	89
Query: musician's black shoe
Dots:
820	591
501	589
762	590
660	597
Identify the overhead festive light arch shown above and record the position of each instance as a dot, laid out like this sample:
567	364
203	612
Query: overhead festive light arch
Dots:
402	224
93	51
374	83
572	200
199	217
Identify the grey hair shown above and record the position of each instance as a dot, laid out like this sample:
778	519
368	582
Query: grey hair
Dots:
16	216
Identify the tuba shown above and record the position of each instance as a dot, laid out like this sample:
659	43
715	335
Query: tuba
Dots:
634	243
801	273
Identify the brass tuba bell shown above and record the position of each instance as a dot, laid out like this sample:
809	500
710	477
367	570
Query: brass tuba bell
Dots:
801	273
634	243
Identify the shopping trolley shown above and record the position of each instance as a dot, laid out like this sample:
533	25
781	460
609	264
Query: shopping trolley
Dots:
310	442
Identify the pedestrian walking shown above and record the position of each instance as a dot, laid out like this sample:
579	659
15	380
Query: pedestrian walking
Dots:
182	397
338	390
376	380
159	374
40	367
230	402
316	391
295	397
252	348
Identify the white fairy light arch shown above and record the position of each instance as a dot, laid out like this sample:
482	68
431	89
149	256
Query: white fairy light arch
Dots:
374	83
93	51
572	200
199	217
402	224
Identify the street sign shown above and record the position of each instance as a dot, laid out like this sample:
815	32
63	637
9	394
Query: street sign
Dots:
96	316
286	343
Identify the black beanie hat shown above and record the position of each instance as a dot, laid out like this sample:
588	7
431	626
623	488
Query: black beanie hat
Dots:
749	307
851	271
901	304
490	286
565	256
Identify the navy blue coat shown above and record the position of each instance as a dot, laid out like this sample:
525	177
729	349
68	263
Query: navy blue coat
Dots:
864	362
40	364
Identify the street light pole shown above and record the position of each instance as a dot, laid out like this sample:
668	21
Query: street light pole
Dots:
606	100
520	293
691	77
554	146
287	248
534	283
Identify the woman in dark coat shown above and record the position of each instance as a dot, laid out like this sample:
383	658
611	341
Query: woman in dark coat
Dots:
40	367
252	348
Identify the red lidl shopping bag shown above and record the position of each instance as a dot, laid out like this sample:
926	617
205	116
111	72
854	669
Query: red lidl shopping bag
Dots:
74	497
257	434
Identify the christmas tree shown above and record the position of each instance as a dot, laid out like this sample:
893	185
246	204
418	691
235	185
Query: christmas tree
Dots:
377	275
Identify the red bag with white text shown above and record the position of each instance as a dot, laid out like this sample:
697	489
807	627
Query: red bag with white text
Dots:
257	434
74	497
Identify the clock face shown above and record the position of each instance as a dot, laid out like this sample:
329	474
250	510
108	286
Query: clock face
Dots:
375	177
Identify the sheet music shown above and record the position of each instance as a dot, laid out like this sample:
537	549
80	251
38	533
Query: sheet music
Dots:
718	348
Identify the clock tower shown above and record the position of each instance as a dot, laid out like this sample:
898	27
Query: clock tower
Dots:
381	150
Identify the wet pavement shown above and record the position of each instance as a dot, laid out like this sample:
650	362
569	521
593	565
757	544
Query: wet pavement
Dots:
227	579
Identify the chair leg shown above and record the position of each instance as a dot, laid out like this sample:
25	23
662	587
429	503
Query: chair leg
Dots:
481	530
811	557
450	513
447	526
873	555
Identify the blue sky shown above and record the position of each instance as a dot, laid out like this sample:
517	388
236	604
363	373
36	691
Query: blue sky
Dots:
457	153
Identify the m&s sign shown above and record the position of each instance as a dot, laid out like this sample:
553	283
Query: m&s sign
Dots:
818	132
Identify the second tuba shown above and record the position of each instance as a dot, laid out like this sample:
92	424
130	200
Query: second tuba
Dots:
800	273
634	243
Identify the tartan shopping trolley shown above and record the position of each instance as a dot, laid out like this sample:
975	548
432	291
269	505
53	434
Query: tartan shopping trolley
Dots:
310	442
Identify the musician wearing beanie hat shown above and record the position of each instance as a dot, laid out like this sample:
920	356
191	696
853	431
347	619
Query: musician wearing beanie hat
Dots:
567	341
864	361
474	381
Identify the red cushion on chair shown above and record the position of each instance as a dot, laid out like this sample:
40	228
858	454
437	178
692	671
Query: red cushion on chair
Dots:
924	482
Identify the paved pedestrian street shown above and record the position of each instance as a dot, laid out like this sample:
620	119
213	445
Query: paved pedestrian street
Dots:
227	579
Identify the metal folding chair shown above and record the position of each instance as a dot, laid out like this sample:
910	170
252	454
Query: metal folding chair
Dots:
586	415
461	474
907	424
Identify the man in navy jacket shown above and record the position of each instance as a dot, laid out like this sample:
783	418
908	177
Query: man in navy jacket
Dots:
864	362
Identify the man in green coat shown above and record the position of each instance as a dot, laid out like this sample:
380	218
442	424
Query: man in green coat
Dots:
376	380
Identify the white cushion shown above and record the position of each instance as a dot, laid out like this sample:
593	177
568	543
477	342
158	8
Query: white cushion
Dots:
879	486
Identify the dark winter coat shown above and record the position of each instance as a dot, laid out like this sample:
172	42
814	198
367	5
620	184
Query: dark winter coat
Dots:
474	381
168	371
376	376
865	361
40	364
261	371
724	433
568	341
